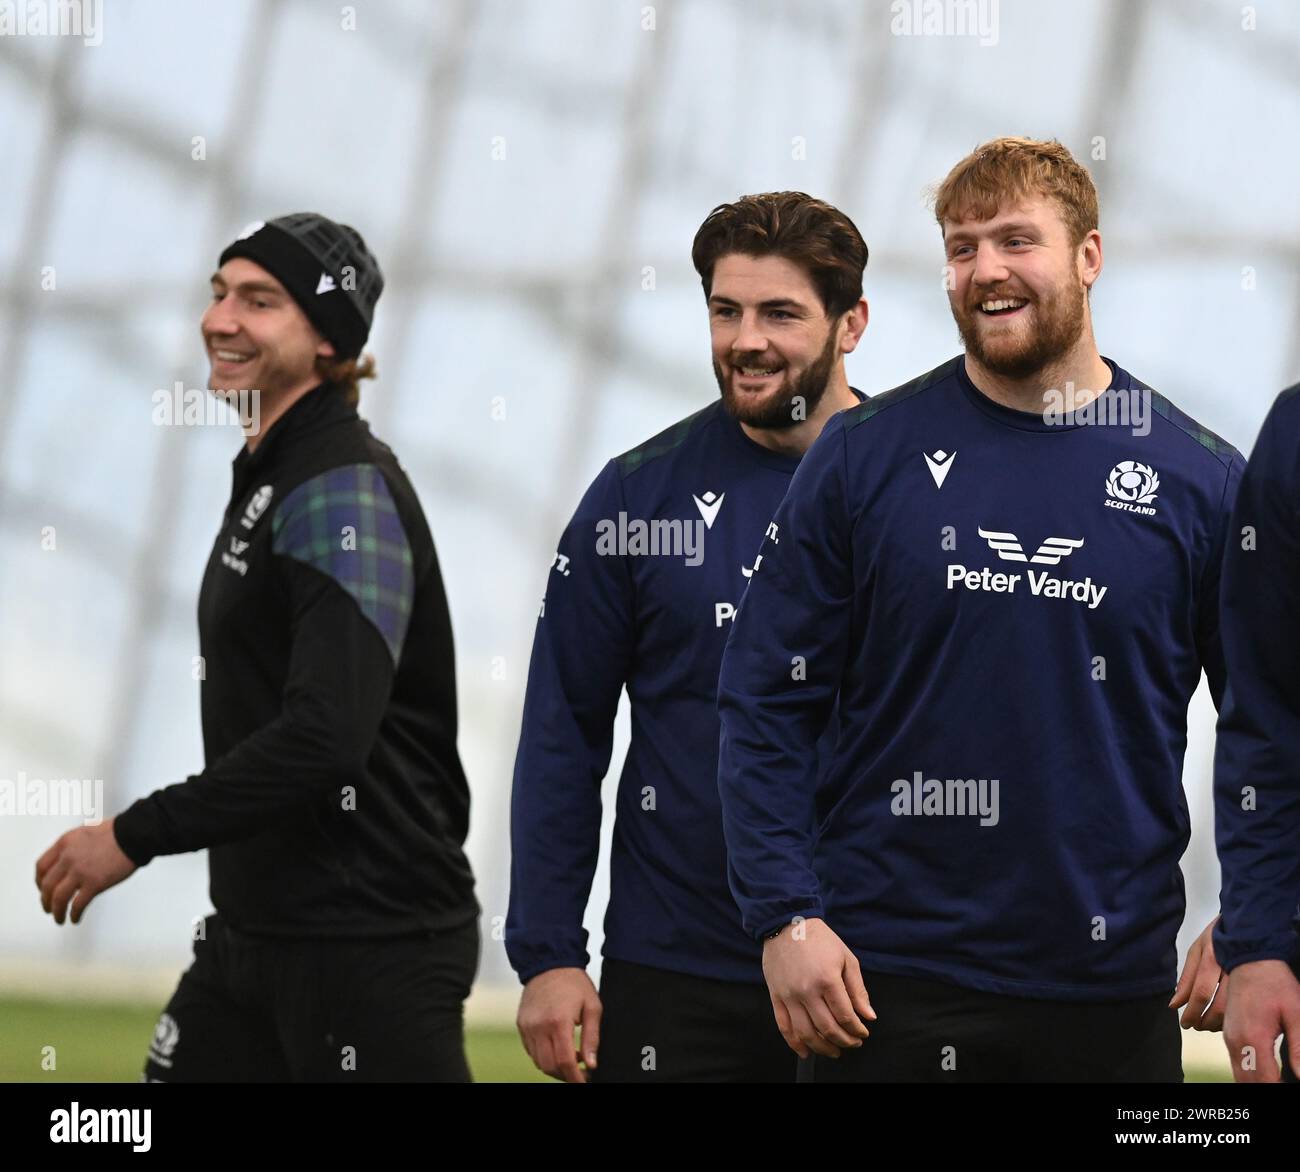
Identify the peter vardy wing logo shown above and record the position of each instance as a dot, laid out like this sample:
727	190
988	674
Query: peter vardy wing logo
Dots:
1132	487
1050	552
709	505
1034	583
939	463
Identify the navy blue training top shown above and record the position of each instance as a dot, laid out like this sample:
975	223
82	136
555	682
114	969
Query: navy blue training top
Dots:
1257	757
1013	614
643	589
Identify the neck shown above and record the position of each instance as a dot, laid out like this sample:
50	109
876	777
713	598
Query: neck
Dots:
272	405
1076	378
796	440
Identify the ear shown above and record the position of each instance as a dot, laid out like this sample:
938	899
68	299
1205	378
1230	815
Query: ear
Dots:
855	325
325	349
1090	259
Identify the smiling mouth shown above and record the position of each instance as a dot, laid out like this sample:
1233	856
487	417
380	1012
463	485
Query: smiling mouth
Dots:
757	374
230	357
1002	306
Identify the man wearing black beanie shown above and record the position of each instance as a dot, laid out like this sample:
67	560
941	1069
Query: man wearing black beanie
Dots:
331	278
333	805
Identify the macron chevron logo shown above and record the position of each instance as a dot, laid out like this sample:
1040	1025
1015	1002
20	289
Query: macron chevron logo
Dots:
709	506
939	464
1050	552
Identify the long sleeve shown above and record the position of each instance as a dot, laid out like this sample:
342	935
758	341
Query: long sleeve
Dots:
1257	759
1209	637
581	656
781	673
349	600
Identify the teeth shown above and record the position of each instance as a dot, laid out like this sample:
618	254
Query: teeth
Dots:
230	356
1011	303
757	371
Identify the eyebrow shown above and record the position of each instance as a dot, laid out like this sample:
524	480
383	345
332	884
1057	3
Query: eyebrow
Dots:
249	286
771	303
1021	227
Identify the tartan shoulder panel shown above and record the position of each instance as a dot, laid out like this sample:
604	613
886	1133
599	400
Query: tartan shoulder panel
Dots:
663	443
871	407
1210	441
345	524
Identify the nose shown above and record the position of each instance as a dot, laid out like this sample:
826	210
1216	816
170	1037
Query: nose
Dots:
749	338
219	317
990	268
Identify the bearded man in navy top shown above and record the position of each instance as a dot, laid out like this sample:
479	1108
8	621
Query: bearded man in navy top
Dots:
645	583
1006	574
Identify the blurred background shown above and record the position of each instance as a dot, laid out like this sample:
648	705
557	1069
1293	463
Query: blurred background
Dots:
530	174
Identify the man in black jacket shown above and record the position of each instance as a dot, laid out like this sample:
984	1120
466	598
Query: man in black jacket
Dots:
334	805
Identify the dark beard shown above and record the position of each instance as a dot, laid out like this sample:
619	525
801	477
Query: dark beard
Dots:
780	412
1060	322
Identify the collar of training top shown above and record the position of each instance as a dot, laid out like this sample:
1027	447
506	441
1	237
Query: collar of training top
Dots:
319	406
1120	380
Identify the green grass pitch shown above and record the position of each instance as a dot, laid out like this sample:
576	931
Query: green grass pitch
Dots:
106	1043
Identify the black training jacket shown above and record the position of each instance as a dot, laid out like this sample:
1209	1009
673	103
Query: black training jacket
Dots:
333	802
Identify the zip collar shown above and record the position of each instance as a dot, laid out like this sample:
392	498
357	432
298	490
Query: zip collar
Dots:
322	405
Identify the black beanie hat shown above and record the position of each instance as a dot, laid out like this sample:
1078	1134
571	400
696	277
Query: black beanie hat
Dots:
327	269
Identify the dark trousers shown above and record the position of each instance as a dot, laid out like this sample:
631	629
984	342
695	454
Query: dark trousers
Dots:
928	1031
660	1026
257	1009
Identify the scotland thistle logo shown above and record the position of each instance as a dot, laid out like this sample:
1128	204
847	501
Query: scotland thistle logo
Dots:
1131	486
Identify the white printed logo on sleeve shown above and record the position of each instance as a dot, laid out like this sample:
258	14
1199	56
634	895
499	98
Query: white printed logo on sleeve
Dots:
165	1036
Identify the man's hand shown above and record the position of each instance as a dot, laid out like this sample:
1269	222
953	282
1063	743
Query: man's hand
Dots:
1264	1001
552	1004
1203	987
817	992
80	865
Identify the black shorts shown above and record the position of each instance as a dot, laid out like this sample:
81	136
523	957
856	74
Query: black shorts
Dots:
259	1009
661	1026
929	1031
